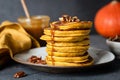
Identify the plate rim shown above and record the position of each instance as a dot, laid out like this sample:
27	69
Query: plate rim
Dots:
47	66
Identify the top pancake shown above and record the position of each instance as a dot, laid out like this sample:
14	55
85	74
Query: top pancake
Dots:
81	25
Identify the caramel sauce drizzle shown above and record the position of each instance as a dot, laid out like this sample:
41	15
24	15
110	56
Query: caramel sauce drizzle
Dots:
62	20
52	41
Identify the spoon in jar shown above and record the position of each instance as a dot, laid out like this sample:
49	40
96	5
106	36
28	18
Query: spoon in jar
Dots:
26	10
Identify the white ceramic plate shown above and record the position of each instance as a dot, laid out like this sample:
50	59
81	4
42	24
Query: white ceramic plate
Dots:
100	57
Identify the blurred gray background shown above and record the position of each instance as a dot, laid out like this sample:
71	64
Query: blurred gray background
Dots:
84	9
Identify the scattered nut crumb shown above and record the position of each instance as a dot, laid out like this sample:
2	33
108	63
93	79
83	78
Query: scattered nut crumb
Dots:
43	62
19	74
36	60
67	18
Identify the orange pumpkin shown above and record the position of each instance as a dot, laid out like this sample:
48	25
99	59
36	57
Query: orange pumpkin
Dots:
107	20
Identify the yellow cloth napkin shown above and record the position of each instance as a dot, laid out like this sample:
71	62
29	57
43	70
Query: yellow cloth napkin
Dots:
14	39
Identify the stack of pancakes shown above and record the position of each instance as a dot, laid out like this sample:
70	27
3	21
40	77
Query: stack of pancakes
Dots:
68	42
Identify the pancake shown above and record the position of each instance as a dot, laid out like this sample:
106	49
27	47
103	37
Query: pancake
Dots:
74	25
68	49
67	54
65	38
47	31
78	43
89	62
77	59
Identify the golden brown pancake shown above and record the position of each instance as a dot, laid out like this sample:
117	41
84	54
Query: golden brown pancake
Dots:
47	31
64	38
65	54
89	62
78	43
68	49
74	25
77	59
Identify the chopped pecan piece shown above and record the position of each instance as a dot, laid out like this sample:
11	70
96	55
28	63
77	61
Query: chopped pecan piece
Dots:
36	60
19	74
67	18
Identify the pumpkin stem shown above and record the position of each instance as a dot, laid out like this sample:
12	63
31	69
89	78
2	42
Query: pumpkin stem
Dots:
117	0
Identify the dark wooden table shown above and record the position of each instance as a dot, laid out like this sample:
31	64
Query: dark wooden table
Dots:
109	71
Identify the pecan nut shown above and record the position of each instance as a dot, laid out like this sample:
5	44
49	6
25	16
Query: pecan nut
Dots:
67	18
36	60
19	74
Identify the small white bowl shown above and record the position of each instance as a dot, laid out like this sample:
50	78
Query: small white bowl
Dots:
114	46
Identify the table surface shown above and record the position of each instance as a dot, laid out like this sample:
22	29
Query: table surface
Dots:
109	71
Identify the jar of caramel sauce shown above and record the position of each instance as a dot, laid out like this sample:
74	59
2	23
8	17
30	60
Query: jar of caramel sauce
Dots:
35	26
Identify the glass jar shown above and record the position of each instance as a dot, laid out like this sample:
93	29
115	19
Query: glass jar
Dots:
35	26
